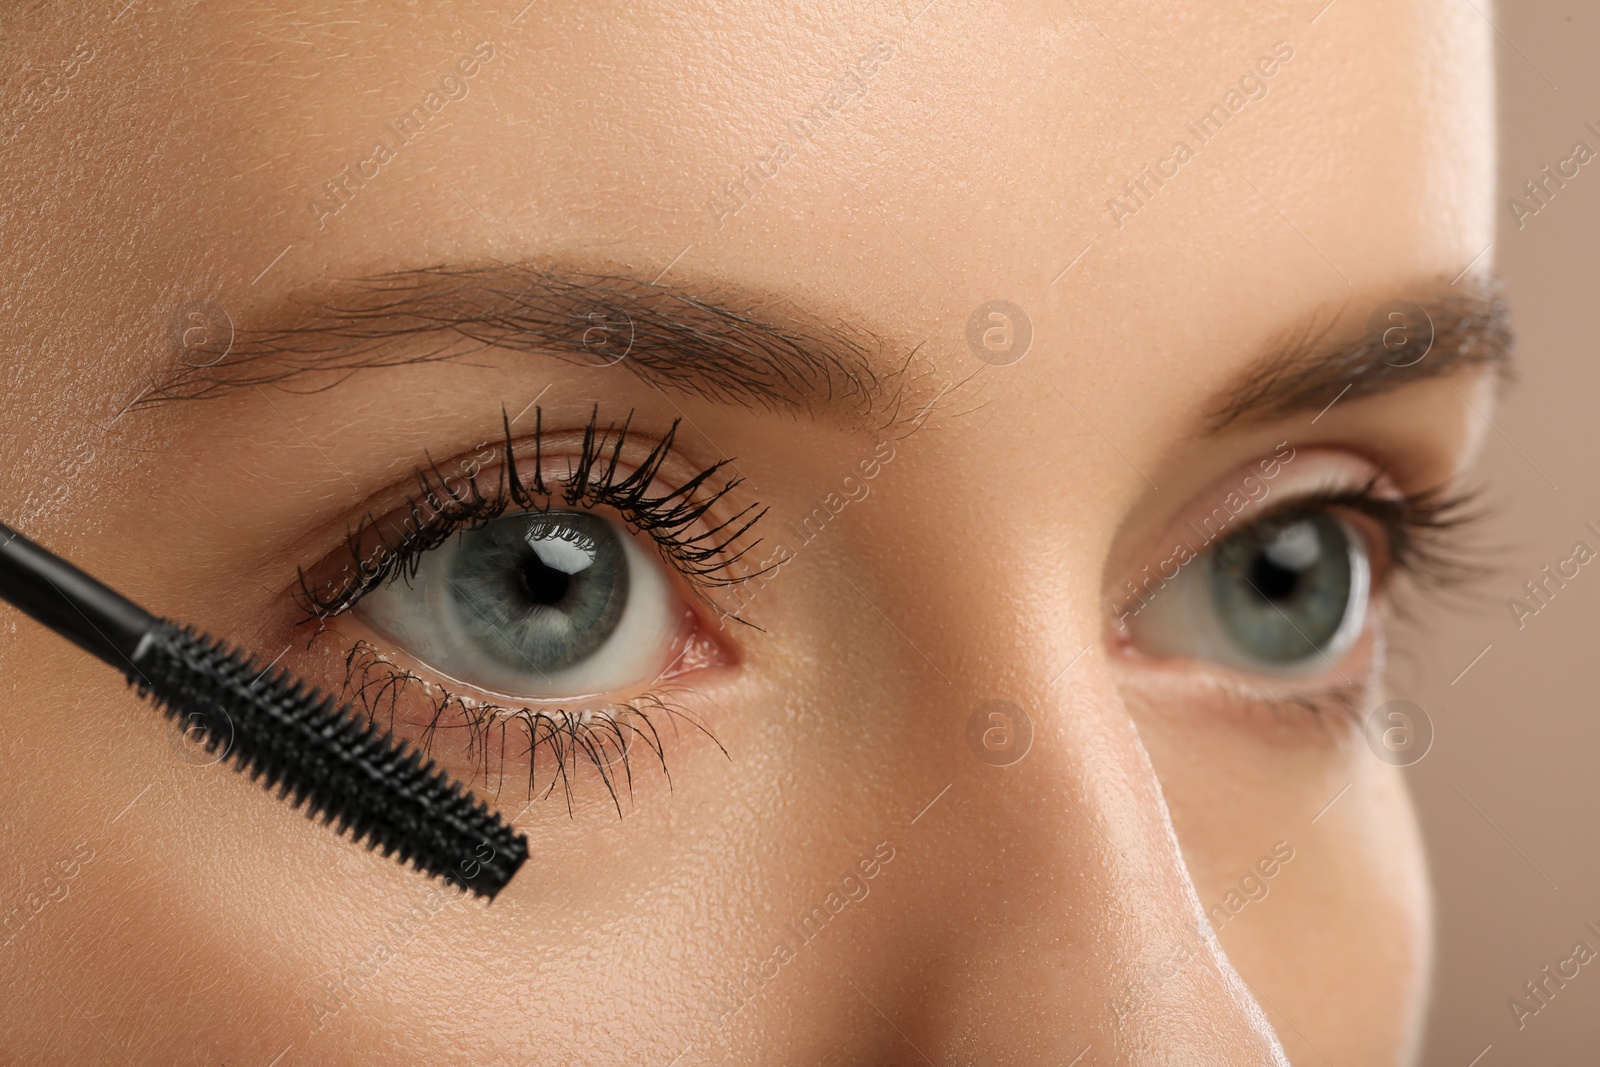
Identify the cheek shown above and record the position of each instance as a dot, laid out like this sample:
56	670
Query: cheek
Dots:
1356	898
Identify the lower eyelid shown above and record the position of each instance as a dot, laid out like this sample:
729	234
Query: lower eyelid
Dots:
1328	704
541	745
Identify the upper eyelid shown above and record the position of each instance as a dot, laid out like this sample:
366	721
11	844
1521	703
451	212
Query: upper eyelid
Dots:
1421	529
1211	503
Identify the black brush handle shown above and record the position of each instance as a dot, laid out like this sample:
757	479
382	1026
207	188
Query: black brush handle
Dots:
70	602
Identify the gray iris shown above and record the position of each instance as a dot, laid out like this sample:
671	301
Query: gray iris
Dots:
540	591
1282	589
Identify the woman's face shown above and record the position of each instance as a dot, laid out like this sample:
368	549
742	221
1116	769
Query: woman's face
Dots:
1051	347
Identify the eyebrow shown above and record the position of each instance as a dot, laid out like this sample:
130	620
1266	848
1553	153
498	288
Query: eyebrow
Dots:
1308	370
739	351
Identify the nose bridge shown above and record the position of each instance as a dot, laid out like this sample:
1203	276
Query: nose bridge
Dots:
1072	923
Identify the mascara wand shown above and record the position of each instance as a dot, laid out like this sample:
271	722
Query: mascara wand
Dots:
286	733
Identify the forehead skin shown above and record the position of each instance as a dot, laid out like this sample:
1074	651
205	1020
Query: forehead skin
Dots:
185	162
980	162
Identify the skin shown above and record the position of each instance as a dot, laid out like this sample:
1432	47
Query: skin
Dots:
1032	911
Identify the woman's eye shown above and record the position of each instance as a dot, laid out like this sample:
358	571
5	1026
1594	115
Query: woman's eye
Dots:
1283	595
541	605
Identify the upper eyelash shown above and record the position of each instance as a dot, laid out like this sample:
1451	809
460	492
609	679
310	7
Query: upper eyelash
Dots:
441	509
1422	530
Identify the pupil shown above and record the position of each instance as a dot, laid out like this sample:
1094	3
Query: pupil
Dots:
1282	591
538	593
542	584
1274	582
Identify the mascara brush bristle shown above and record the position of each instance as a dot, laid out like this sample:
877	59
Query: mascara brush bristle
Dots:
342	768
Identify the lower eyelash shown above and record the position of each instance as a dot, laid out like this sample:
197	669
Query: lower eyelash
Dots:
1330	711
605	739
1335	709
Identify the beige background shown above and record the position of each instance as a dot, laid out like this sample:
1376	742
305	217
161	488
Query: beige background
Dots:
1518	736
